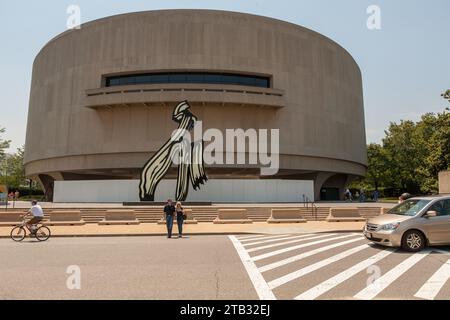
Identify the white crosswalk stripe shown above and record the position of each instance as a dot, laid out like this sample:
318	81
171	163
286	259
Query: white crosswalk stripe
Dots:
262	237
274	240
432	287
260	285
287	242
281	261
299	273
372	290
243	238
298	257
299	246
329	284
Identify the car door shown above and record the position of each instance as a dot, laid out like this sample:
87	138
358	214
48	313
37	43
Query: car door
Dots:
438	228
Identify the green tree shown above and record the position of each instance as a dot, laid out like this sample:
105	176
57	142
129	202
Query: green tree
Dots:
377	166
15	172
446	95
405	152
4	144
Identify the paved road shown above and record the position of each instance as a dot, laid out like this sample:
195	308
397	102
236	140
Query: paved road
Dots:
203	267
282	266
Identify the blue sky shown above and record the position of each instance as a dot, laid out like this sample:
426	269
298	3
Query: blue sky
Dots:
405	65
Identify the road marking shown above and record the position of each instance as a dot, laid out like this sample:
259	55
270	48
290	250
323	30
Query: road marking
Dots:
307	254
261	286
329	284
304	245
372	290
273	240
288	242
265	238
251	237
304	271
432	287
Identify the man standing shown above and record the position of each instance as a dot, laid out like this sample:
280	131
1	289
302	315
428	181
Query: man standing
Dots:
169	210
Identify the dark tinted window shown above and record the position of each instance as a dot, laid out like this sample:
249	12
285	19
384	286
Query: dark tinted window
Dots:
189	77
441	207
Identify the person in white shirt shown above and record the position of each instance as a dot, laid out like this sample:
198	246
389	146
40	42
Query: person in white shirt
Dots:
37	214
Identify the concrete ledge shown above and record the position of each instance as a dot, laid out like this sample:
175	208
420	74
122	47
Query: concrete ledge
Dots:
65	218
118	217
344	214
286	216
10	218
232	216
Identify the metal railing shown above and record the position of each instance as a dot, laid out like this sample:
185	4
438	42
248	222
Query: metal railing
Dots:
307	203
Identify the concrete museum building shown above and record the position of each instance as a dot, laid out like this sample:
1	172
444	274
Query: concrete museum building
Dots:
103	96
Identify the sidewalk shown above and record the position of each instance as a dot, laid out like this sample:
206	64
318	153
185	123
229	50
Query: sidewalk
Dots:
48	205
204	228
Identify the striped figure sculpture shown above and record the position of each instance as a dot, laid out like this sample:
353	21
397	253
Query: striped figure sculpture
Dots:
179	150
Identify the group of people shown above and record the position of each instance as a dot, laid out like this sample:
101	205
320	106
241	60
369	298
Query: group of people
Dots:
13	196
171	213
361	195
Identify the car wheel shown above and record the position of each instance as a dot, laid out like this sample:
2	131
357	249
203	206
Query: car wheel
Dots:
413	241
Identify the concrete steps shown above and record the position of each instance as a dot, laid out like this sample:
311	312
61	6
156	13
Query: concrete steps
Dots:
152	214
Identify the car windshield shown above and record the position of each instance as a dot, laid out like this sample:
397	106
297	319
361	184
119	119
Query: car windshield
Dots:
409	207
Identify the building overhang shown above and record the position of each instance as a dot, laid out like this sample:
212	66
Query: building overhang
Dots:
160	94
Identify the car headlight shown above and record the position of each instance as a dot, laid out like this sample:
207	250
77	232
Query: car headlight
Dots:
390	226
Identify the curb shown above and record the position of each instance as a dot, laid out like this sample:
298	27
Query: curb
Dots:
165	234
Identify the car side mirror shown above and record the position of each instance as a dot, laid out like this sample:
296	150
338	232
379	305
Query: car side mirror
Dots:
430	214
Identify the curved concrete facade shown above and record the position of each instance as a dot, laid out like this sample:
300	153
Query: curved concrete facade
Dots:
80	129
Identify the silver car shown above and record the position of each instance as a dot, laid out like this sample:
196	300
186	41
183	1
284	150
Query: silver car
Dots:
412	224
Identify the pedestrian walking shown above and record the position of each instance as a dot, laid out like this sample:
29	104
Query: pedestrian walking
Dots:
362	196
169	210
348	195
180	218
375	195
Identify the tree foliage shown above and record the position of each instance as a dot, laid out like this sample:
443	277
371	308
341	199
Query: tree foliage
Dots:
411	154
13	173
4	144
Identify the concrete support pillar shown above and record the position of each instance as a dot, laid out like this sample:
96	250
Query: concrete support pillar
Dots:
319	180
47	183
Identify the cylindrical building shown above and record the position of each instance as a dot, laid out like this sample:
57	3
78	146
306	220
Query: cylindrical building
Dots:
102	96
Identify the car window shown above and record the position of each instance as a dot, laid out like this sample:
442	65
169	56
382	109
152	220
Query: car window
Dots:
442	208
409	207
446	207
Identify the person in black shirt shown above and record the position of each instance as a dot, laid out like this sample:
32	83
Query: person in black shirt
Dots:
169	210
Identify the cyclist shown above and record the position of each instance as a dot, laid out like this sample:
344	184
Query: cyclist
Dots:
37	213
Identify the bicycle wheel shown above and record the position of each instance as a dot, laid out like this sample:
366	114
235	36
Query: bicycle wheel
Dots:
42	233
18	233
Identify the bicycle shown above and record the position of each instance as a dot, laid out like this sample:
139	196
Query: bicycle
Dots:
41	232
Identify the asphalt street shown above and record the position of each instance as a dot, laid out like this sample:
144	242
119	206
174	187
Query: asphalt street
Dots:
282	266
203	267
